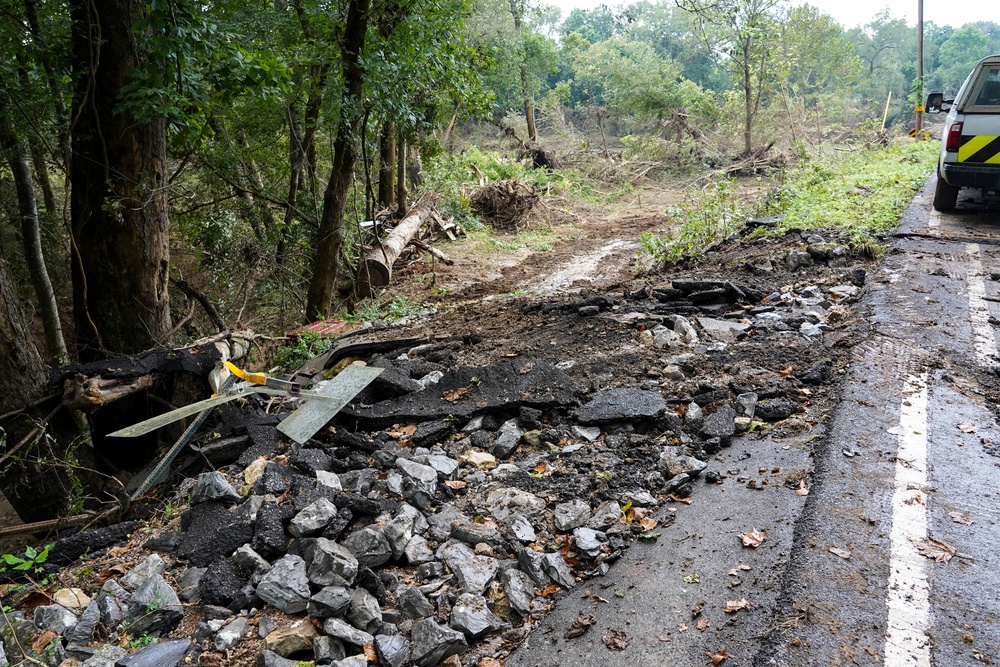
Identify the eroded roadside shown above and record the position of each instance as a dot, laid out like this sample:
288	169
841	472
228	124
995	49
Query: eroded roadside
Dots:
512	451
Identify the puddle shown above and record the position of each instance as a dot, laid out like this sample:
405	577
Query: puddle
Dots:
583	267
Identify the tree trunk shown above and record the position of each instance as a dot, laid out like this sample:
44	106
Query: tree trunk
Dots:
747	100
36	490
387	165
529	105
119	206
401	193
517	8
375	268
326	262
31	237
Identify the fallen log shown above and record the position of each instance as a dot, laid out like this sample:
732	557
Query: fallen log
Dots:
375	268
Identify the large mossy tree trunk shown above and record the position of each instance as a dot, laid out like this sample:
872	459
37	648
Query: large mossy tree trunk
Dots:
118	203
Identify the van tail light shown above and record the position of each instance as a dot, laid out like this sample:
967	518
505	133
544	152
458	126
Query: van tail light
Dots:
954	137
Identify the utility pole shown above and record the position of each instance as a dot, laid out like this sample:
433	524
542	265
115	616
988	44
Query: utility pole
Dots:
920	68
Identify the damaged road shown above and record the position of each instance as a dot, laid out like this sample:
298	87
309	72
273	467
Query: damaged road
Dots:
684	469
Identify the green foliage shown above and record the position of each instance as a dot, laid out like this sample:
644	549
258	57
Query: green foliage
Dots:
387	309
141	641
307	346
861	193
708	215
193	67
31	560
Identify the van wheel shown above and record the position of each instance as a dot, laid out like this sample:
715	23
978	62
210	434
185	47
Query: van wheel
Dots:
945	196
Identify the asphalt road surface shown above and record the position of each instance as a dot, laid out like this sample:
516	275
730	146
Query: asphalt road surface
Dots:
893	558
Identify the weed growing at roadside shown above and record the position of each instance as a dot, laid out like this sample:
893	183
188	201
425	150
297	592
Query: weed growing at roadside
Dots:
709	215
861	193
307	346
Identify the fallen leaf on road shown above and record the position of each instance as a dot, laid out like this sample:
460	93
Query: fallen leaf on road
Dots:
403	432
733	606
674	496
754	538
580	626
547	591
663	638
837	551
489	662
616	640
803	490
718	657
966	427
455	484
647	523
683	627
736	570
961	518
936	550
697	609
453	395
702	624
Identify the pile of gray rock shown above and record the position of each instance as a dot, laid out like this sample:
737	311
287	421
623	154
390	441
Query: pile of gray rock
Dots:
444	507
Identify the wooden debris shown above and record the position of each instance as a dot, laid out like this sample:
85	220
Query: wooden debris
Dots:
375	268
504	204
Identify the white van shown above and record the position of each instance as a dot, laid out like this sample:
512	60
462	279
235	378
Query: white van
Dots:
970	144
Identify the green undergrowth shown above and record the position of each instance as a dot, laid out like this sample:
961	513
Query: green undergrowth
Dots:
860	193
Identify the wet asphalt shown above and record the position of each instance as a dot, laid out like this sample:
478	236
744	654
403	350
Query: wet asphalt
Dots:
930	307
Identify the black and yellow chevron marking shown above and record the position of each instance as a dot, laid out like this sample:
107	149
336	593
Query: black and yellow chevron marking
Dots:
979	148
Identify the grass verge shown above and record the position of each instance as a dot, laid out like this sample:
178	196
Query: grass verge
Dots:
860	193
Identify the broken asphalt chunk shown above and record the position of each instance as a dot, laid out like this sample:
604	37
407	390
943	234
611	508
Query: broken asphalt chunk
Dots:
620	405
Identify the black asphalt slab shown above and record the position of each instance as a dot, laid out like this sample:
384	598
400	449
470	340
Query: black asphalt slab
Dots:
839	563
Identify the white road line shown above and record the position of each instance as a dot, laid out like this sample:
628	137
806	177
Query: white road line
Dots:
908	596
934	219
983	340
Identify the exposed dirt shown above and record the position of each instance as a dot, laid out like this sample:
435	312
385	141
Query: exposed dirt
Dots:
589	305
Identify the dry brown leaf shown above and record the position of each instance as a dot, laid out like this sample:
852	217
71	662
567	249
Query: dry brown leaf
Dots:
686	501
455	484
936	550
959	517
837	551
42	640
490	662
615	640
541	467
718	657
647	523
580	626
115	552
754	538
370	654
786	372
547	591
702	624
733	606
402	432
967	427
803	490
683	627
454	395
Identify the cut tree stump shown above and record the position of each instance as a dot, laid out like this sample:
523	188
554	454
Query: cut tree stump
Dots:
375	268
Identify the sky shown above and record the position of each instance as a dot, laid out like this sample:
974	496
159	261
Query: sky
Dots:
851	13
